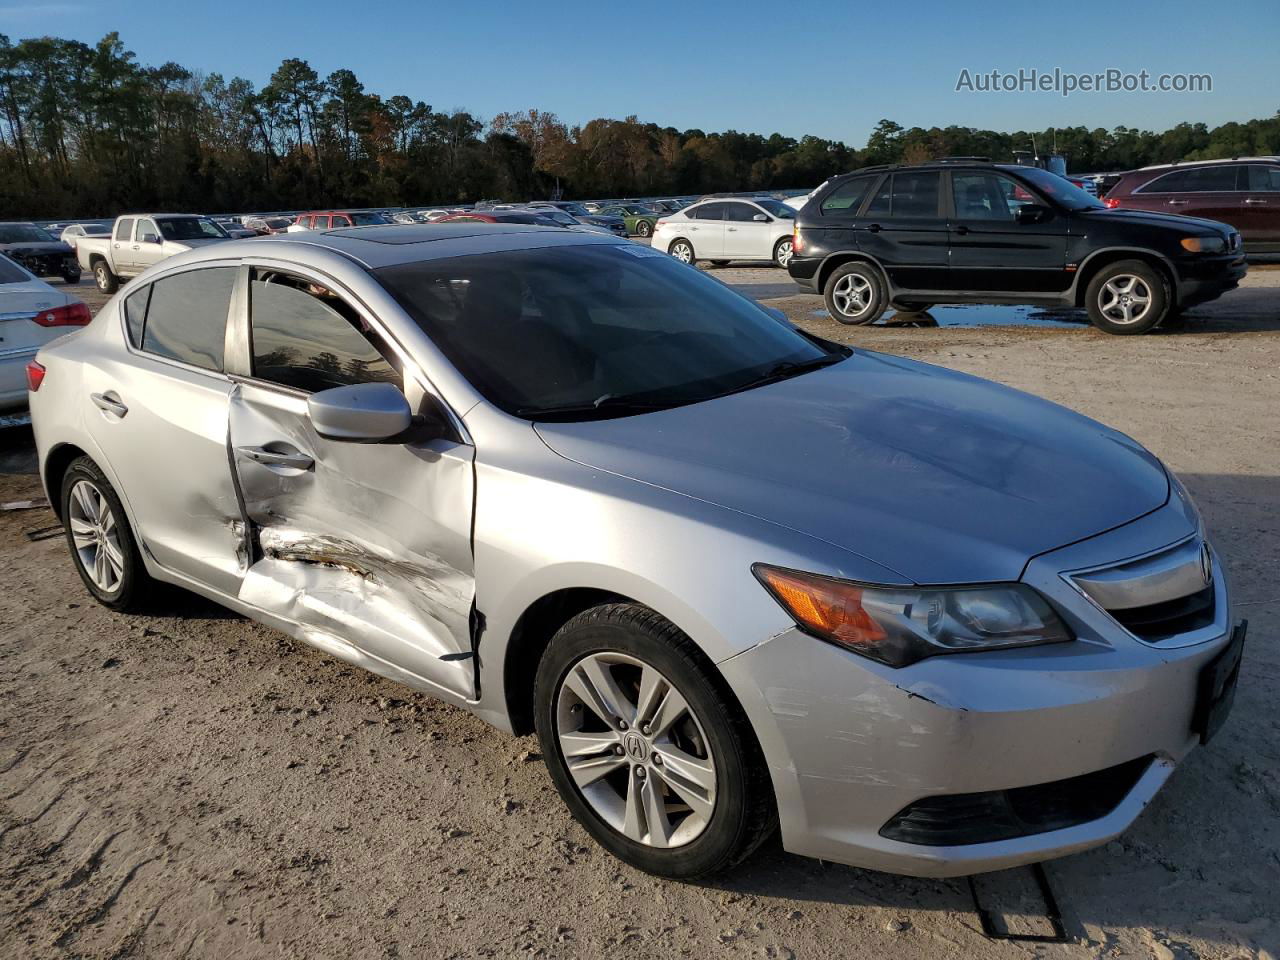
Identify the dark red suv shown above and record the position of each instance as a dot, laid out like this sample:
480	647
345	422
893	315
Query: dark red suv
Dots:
1244	192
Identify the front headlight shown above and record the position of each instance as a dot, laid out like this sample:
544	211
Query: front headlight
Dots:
900	625
1204	244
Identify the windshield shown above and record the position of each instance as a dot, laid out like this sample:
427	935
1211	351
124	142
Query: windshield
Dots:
594	327
10	272
190	228
559	217
23	233
367	219
777	208
577	209
277	223
1063	191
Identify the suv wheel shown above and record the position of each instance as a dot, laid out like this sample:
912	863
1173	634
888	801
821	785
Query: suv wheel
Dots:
682	250
782	251
1127	297
647	747
102	545
855	293
106	280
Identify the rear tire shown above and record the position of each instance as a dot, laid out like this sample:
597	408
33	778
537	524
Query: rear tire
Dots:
703	810
71	275
107	281
1128	297
644	228
682	250
855	294
719	263
102	545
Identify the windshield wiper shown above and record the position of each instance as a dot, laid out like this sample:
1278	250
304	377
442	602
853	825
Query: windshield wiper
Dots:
787	369
606	403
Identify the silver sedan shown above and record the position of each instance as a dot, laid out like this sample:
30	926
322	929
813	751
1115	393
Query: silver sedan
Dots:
736	577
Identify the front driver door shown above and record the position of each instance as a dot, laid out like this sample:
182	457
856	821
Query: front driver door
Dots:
991	251
368	545
746	238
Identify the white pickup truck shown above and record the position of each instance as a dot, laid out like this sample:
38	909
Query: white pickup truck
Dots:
139	240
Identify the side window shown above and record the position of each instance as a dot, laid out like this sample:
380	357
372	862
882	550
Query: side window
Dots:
304	336
740	212
847	197
147	231
1260	179
187	317
881	203
915	194
1170	183
987	196
124	229
710	211
1212	179
135	315
340	220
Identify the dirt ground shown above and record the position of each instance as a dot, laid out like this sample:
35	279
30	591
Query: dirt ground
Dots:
190	784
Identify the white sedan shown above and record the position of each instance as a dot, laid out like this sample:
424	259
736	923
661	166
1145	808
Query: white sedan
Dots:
32	313
721	230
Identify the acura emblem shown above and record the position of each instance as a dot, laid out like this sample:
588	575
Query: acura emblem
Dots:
1206	564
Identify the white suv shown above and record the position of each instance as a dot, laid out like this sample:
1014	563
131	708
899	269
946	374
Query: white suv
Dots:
728	229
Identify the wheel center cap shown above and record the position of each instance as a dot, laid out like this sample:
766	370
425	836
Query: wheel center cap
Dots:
636	746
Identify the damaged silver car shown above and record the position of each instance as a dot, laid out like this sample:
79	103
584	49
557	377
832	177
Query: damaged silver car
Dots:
735	577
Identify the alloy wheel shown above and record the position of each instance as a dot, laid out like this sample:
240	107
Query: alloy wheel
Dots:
783	256
96	536
852	295
1125	299
682	252
635	749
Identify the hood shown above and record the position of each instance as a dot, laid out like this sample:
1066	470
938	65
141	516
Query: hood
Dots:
1174	221
942	477
37	247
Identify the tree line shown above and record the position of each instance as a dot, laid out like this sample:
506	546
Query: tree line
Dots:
88	131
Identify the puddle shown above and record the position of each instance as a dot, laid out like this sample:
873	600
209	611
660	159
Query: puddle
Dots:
978	315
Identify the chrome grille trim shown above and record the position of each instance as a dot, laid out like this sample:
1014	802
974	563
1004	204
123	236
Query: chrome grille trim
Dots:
1148	580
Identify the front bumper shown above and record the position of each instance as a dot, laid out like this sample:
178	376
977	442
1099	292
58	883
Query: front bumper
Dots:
851	743
1207	278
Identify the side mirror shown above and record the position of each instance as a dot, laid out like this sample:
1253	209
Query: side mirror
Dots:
149	238
360	412
760	218
1032	213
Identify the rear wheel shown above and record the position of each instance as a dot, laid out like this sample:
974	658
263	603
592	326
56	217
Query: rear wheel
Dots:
782	251
102	545
107	281
682	250
71	274
644	228
855	293
719	263
647	747
1128	297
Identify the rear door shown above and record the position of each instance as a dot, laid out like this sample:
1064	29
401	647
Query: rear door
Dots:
992	251
1259	217
706	231
367	545
746	238
158	412
904	227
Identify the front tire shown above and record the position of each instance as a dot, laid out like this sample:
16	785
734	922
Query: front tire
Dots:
71	275
107	281
647	747
102	545
855	294
1128	297
682	250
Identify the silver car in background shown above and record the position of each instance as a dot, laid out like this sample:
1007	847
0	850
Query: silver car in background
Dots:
735	577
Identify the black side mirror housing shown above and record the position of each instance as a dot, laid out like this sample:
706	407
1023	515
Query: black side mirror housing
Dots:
1032	213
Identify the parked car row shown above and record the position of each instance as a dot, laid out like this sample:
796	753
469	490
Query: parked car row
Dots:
32	313
38	252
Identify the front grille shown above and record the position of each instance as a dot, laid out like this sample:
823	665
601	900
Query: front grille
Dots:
965	818
1161	621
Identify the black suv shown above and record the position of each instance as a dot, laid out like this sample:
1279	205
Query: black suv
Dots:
971	232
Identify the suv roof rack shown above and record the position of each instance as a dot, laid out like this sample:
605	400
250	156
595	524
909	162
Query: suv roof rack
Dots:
1193	163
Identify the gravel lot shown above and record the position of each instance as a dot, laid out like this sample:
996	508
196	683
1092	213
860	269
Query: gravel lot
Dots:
190	784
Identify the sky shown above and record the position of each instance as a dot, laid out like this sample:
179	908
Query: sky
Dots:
832	69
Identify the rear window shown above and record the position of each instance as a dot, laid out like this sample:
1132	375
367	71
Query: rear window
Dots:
124	229
186	319
22	233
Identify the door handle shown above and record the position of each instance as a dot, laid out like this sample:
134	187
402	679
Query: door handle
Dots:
1178	203
1251	200
962	230
276	458
731	229
109	403
873	228
135	246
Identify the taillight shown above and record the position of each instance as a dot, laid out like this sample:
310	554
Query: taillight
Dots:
1111	203
72	315
797	241
35	375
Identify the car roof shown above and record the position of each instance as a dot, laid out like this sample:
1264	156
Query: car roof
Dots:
383	246
1202	163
